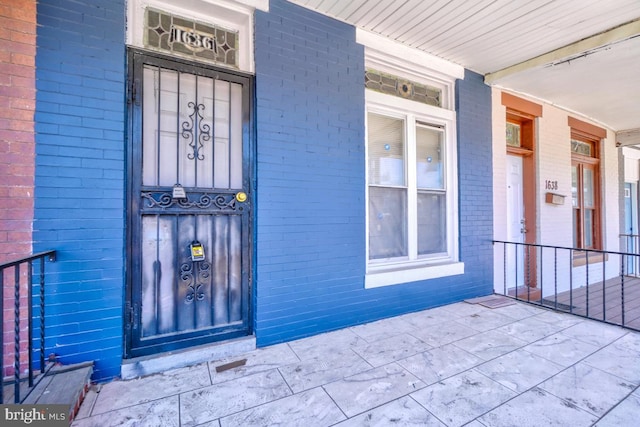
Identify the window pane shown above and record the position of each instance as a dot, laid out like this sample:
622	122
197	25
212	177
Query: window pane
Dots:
432	234
576	231
429	161
386	150
513	135
399	86
387	222
574	186
588	187
580	147
588	228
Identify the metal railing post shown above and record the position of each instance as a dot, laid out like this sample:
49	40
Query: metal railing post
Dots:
587	279
622	291
541	274
516	269
51	258
528	280
604	290
555	278
571	281
30	320
504	266
16	338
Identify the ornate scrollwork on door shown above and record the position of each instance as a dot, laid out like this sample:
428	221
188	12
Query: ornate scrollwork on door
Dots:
193	281
164	200
204	131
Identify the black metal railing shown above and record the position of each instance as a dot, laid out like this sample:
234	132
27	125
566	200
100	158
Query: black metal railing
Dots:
591	283
19	275
630	243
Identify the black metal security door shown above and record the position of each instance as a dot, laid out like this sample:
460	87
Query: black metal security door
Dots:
190	205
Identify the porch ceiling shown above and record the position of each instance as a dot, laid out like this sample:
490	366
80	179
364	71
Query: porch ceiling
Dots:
582	55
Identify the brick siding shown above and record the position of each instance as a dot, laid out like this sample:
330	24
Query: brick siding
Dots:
553	154
17	103
310	212
475	183
311	184
79	209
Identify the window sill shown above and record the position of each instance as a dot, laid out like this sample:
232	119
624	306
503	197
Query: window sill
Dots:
397	276
594	258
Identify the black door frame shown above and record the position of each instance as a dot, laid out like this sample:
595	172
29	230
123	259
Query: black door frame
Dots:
131	313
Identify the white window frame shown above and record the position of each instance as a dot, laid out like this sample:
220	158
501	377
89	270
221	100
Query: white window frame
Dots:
414	267
386	55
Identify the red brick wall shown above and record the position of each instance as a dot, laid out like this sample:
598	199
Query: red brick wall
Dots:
17	151
17	104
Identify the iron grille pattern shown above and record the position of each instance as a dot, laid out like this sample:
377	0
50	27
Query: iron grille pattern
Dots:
165	200
204	131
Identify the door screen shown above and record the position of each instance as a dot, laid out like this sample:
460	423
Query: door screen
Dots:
190	205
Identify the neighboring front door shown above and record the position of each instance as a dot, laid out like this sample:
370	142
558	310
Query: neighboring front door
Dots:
190	213
516	227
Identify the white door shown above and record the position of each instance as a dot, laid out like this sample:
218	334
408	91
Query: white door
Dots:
516	226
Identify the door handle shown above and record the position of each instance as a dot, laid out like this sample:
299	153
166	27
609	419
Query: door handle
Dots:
241	196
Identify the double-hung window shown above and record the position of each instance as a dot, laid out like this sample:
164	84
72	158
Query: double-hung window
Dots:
411	164
584	192
586	141
411	191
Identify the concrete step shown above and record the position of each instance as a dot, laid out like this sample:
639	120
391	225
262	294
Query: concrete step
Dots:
63	384
161	362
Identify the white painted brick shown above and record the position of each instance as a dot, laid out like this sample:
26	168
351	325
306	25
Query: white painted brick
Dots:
554	222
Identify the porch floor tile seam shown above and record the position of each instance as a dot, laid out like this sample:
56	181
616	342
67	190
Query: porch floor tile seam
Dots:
620	402
597	346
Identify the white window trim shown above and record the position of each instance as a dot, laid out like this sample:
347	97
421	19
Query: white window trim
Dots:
386	55
230	14
380	273
397	277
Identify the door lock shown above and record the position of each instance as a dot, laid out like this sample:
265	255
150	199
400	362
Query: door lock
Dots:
178	192
523	229
197	251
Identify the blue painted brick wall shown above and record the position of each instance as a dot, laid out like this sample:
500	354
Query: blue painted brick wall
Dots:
475	178
310	240
79	206
310	174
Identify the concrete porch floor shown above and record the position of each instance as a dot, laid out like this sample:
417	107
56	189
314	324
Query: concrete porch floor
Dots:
461	364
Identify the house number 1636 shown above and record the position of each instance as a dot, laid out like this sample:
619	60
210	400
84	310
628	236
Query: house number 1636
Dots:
551	185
